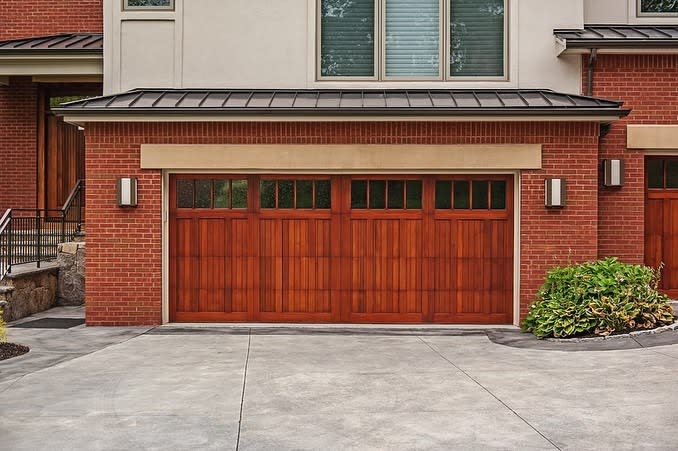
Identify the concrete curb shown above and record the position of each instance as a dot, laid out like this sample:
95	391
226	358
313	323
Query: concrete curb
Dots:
637	333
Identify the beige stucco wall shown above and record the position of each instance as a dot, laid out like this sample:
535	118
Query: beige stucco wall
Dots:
271	44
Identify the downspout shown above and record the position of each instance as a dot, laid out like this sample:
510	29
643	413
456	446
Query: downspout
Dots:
592	62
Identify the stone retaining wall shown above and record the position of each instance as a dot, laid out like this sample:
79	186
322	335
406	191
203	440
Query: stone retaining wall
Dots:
29	292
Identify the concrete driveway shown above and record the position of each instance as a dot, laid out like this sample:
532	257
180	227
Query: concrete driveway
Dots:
236	389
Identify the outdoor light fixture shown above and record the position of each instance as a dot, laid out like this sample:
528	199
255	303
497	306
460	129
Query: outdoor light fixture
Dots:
127	192
555	193
614	173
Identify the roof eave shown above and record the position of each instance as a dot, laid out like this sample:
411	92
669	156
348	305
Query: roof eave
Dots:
80	117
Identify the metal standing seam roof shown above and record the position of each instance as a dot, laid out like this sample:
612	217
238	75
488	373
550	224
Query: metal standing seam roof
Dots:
619	36
60	43
521	102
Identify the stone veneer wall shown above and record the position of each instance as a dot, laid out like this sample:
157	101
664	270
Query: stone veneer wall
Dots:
71	284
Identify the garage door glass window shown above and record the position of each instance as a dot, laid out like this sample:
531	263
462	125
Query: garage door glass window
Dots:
470	195
662	173
296	194
386	194
212	193
417	40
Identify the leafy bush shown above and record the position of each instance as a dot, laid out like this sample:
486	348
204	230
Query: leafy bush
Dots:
601	298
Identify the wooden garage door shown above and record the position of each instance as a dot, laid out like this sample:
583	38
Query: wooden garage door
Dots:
375	249
661	219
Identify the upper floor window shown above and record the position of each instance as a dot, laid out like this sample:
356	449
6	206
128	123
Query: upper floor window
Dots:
653	7
412	40
148	4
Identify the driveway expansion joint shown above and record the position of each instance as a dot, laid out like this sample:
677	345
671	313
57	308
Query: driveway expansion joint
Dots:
242	397
488	391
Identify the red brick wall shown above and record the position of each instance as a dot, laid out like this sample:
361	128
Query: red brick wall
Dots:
124	246
25	18
18	152
18	102
648	84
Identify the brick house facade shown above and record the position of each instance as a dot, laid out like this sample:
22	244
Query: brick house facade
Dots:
174	114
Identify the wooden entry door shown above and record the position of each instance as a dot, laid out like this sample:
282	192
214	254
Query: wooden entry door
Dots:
61	160
374	249
661	219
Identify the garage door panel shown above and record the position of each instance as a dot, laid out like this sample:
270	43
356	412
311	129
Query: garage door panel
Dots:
211	261
392	258
295	260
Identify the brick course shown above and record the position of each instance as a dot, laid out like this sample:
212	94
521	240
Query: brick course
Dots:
124	265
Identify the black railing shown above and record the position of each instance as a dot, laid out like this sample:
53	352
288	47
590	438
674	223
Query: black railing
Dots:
32	236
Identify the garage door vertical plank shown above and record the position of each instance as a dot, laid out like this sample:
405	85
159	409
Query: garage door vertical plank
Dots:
254	243
337	266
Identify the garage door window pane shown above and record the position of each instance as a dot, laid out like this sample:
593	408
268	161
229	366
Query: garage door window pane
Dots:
443	195
222	194
185	193
461	195
239	192
203	194
414	194
396	194
359	194
655	173
286	194
268	188
305	194
498	195
323	194
672	173
377	194
480	193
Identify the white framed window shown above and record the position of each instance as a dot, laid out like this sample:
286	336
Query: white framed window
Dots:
657	8
412	40
148	4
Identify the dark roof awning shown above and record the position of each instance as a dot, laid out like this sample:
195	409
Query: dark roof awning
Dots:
624	37
60	43
516	103
71	55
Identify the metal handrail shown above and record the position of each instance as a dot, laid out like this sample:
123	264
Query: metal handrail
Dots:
79	186
32	235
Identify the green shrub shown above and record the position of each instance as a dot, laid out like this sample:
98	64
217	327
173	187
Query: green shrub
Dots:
601	298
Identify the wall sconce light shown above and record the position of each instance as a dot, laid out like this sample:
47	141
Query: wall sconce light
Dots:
127	192
614	173
554	193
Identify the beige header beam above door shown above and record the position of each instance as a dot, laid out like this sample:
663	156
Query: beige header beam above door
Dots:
658	137
341	158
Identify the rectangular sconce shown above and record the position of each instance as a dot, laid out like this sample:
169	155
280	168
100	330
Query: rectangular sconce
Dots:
127	192
614	173
555	193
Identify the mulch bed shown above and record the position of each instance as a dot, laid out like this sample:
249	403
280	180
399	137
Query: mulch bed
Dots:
9	350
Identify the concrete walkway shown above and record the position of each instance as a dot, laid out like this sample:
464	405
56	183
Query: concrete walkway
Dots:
123	389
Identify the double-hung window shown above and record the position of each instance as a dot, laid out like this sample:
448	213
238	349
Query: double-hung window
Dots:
657	7
412	39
